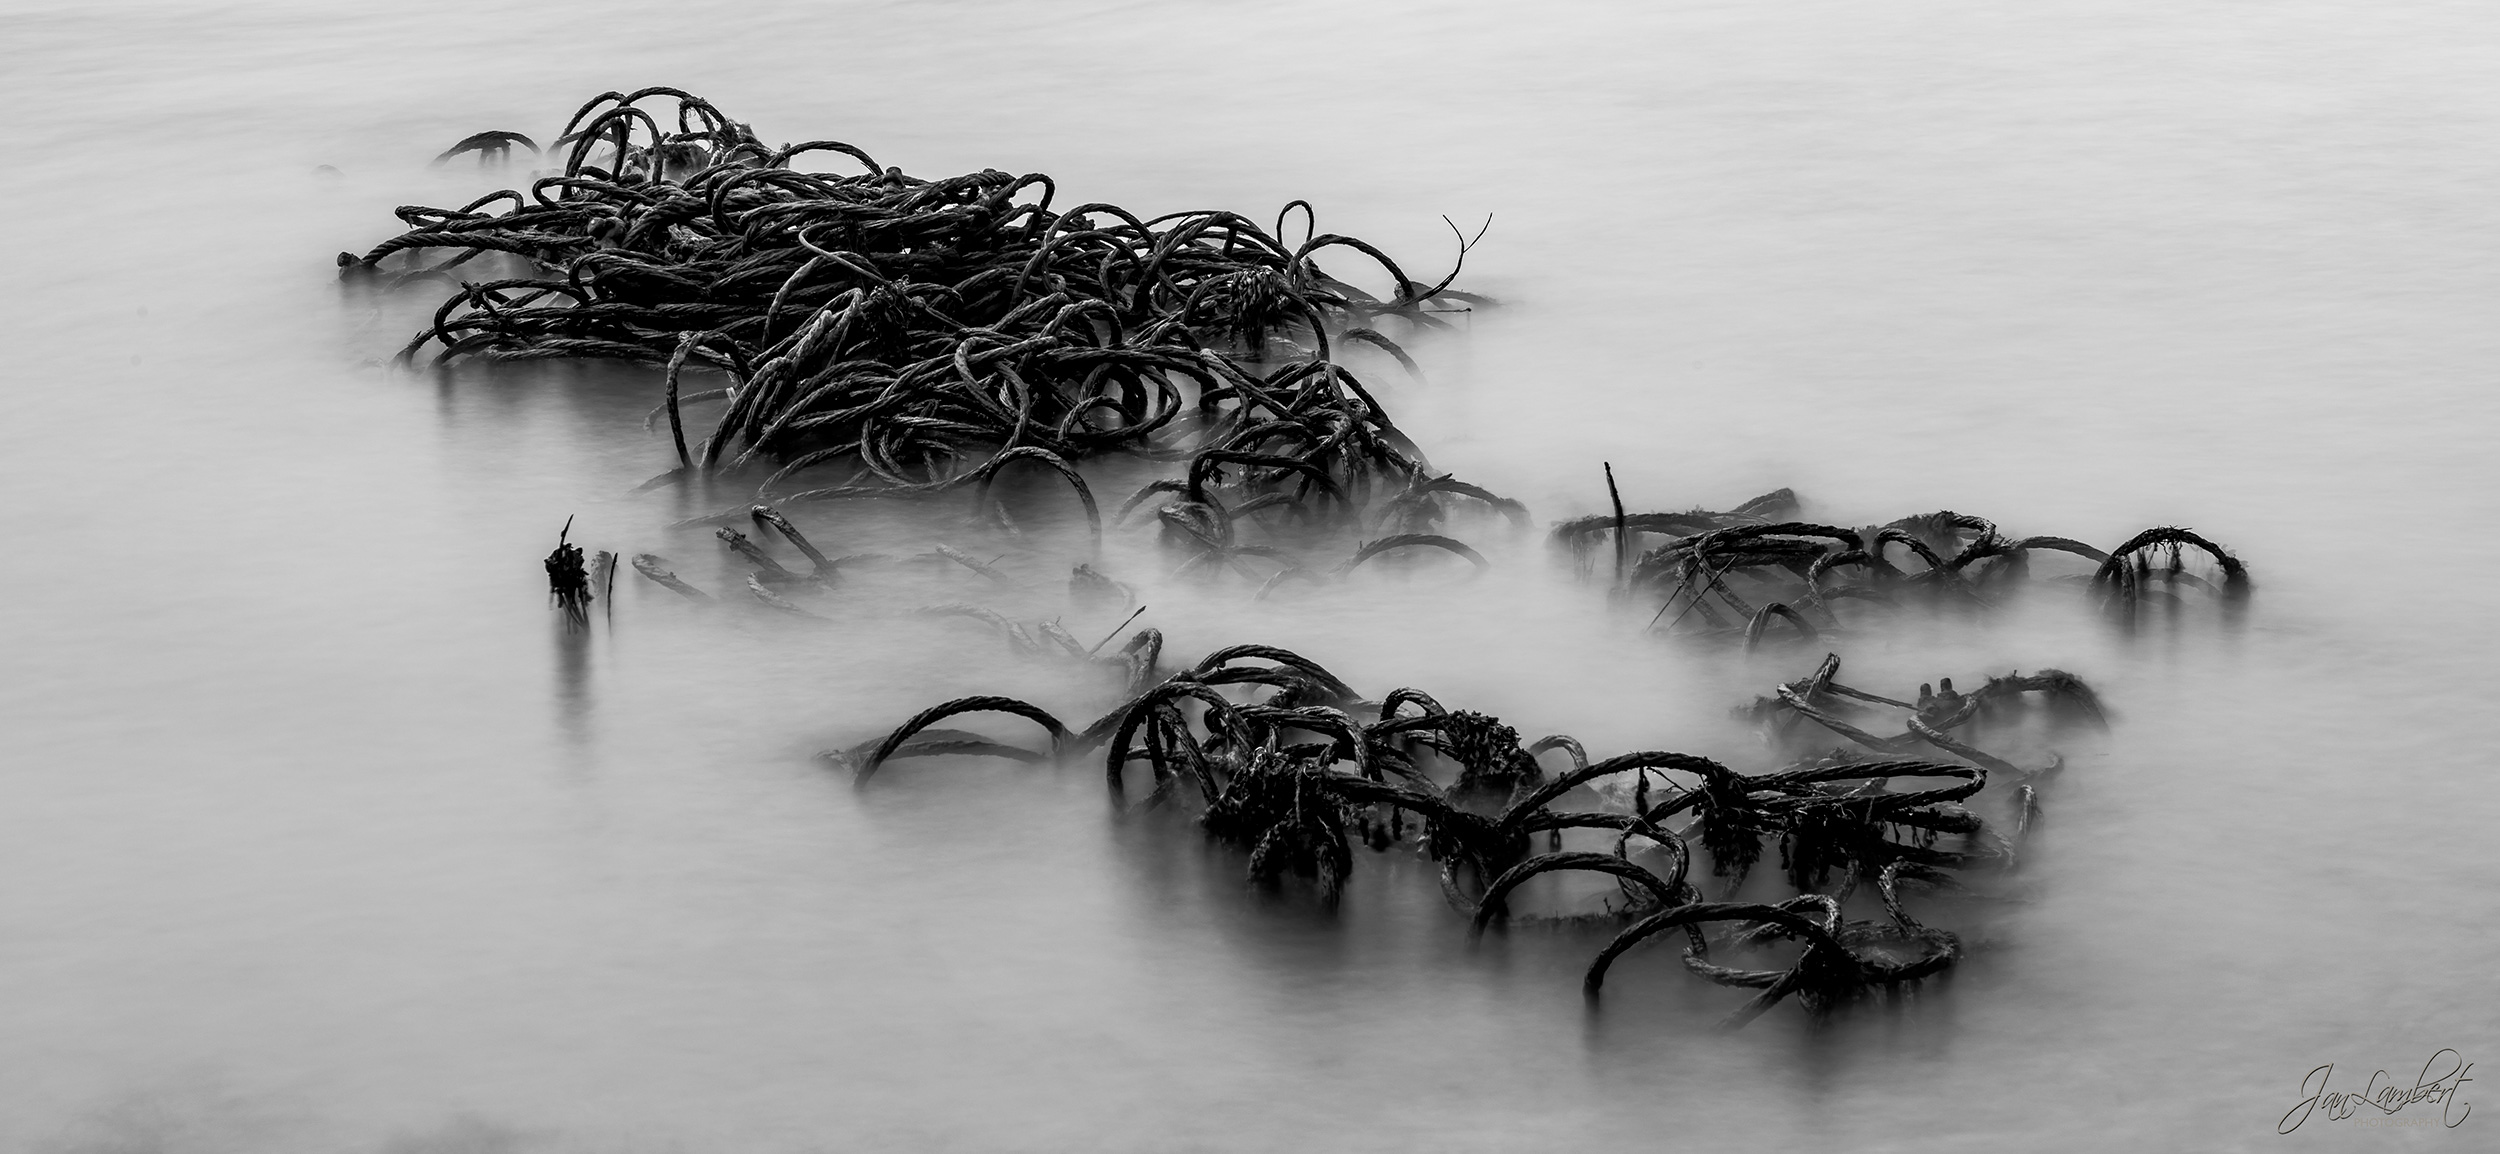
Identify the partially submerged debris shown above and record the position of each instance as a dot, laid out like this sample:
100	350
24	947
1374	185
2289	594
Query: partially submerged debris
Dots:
1756	572
917	332
1299	776
898	337
655	568
2151	569
568	581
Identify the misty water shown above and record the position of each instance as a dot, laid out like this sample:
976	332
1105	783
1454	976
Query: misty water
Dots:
316	835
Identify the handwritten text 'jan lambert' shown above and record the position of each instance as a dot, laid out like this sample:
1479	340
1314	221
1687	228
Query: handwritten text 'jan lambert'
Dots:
2441	1078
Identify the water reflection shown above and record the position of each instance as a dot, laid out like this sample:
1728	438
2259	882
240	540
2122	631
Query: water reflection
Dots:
573	704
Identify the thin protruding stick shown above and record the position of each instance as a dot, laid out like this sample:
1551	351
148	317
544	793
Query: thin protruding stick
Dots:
1623	543
1707	582
1115	631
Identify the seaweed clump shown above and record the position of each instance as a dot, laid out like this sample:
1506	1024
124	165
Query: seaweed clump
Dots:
1757	571
921	333
1284	761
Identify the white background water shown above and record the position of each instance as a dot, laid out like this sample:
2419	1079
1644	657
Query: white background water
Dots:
314	837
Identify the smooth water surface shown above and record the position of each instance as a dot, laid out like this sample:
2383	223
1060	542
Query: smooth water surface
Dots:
316	835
